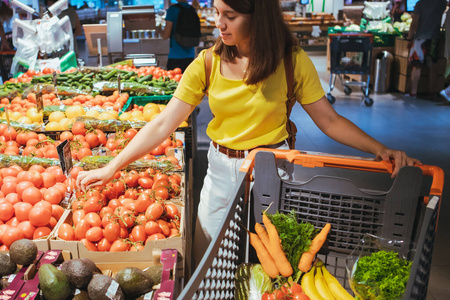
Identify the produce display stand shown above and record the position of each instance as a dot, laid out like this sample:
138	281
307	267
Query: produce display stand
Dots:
400	212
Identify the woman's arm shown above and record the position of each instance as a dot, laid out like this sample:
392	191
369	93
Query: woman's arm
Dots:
344	131
150	136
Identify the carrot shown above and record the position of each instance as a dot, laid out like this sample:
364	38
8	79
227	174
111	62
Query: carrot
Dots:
307	257
275	249
263	255
262	234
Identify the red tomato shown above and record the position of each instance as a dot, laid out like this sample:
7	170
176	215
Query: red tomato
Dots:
300	296
103	245
39	216
27	229
159	150
11	235
21	186
92	204
93	219
77	216
154	211
66	232
268	296
143	202
130	133
154	237
74	172
146	182
92	139
161	192
94	234
21	210
53	195
132	180
8	187
160	182
119	246
152	227
295	288
171	210
41	232
81	228
79	128
57	211
89	245
119	187
48	179
164	227
6	211
138	234
84	152
112	232
137	247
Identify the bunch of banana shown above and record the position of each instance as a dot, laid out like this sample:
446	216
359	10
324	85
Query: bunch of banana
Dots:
319	284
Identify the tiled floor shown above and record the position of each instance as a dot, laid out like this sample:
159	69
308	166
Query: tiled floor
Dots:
419	127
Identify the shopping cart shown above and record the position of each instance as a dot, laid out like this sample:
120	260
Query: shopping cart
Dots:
350	54
342	191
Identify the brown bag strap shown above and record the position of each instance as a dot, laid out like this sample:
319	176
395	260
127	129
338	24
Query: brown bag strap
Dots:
208	67
290	126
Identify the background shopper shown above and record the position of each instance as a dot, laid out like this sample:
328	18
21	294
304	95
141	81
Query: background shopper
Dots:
5	16
179	57
247	96
446	92
426	21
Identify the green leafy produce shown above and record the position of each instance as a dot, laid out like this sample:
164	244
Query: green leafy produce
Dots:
251	281
382	275
295	237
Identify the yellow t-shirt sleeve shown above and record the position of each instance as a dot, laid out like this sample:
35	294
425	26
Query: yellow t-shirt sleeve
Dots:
193	82
308	88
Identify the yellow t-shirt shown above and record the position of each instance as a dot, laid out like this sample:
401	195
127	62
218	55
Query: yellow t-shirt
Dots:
249	116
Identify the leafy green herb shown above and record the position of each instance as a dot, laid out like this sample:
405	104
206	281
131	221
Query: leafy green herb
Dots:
295	237
381	275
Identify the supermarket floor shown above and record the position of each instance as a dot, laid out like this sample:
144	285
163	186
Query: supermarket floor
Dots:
420	127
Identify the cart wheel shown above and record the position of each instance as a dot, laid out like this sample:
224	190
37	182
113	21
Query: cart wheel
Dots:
347	90
331	98
368	101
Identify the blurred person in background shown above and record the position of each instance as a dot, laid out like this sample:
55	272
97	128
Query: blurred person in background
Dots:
179	57
426	21
6	14
446	92
398	8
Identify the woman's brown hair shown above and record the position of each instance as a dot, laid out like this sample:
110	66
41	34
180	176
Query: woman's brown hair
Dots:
270	38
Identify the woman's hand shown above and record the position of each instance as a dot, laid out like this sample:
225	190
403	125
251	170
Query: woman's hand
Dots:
89	179
399	159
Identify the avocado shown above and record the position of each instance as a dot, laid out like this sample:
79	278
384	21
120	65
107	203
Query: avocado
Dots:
155	273
134	282
53	283
23	252
100	284
7	265
91	265
78	272
81	295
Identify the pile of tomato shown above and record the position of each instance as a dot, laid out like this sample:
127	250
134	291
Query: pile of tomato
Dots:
26	77
29	202
126	213
288	291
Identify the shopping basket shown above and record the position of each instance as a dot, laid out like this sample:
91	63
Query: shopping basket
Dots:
350	54
400	212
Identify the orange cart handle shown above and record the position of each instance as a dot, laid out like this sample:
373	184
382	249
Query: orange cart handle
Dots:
312	161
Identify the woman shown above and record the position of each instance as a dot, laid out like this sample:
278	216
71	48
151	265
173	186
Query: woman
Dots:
247	95
5	16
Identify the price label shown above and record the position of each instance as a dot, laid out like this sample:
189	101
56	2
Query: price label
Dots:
39	102
65	157
118	83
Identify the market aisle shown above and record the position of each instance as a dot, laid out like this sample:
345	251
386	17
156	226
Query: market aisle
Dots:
419	127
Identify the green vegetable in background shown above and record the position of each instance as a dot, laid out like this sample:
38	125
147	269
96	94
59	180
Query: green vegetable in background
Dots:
251	281
382	275
295	237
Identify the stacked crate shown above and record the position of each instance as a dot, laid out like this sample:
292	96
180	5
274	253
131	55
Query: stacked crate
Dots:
432	77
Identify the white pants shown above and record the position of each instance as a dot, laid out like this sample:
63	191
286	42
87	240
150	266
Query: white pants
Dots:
218	187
